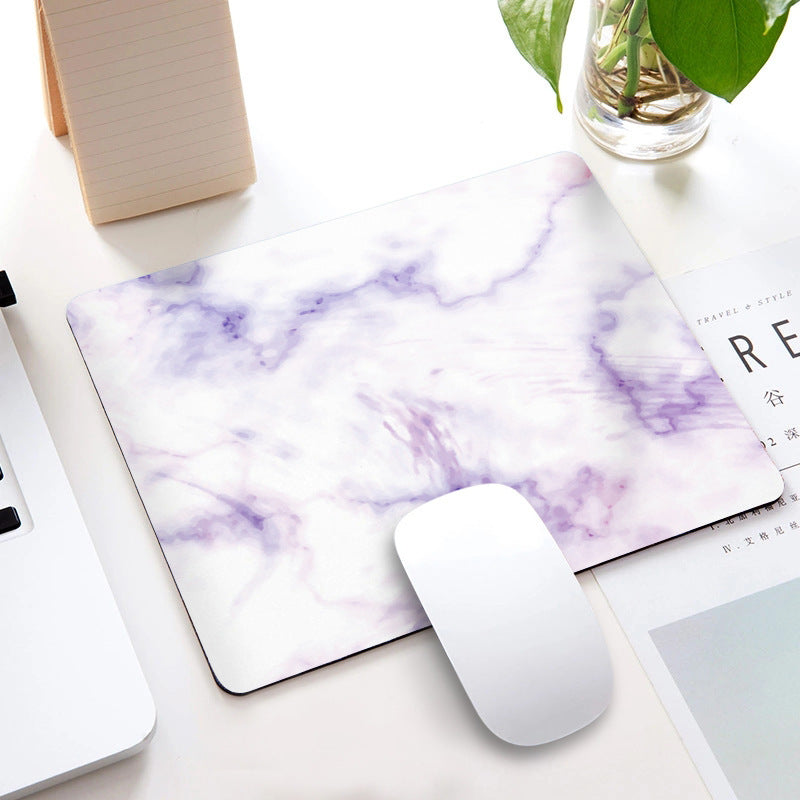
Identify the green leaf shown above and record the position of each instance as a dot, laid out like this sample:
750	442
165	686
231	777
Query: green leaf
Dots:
537	28
719	45
774	9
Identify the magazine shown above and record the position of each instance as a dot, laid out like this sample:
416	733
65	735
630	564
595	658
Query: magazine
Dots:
713	616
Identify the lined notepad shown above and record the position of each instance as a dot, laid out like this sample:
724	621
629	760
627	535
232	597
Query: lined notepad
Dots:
150	94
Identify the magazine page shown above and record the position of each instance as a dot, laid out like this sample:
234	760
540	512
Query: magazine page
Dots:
713	615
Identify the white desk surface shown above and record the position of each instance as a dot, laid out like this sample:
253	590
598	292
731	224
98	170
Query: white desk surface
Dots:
352	104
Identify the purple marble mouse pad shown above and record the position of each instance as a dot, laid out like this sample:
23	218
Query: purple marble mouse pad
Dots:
282	406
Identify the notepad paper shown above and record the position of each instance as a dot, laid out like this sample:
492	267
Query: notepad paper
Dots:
152	100
282	406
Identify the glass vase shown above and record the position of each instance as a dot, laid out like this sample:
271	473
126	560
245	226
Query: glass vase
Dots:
630	99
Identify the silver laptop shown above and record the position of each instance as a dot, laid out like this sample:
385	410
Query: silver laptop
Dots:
72	693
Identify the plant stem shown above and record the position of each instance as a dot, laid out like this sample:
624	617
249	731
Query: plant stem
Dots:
636	16
619	27
626	104
610	59
627	100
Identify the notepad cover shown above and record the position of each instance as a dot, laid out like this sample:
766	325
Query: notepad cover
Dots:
149	91
281	406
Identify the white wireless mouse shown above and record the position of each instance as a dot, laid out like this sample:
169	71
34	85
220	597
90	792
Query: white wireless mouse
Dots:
508	611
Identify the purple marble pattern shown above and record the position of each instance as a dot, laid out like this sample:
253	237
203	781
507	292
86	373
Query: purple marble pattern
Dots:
282	406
